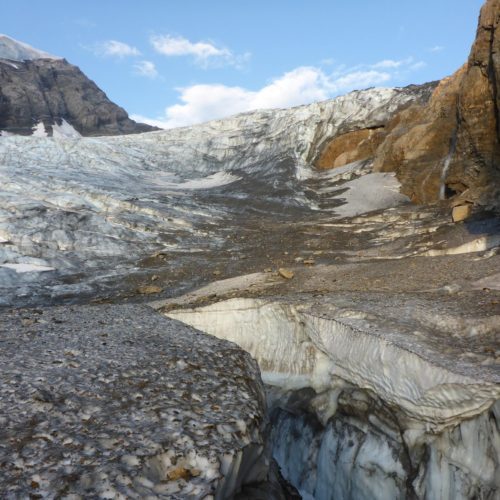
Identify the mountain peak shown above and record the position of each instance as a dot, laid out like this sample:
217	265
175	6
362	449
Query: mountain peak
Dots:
19	51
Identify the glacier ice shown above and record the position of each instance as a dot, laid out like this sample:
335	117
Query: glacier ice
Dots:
91	208
361	410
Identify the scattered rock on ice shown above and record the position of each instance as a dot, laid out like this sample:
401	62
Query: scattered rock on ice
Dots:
115	401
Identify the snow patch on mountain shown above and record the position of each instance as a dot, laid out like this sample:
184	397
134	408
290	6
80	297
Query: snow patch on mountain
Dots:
15	50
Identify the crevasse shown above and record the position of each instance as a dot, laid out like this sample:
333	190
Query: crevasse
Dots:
356	413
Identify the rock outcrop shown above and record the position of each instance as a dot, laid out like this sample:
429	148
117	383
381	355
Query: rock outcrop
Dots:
450	146
358	141
36	88
350	147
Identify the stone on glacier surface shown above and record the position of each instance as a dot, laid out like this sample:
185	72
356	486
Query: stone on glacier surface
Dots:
118	401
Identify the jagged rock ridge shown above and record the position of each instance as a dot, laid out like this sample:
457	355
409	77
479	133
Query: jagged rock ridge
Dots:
37	87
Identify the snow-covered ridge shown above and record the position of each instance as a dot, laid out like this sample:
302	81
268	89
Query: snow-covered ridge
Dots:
15	50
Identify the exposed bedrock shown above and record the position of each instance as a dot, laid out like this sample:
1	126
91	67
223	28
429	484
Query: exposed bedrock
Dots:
119	402
352	146
450	146
370	400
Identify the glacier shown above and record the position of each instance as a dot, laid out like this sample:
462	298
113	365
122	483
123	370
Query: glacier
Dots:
379	353
94	208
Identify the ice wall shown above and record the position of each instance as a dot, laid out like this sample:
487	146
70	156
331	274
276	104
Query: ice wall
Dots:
362	413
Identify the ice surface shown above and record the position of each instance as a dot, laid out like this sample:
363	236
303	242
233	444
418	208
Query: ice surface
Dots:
352	457
11	64
18	51
64	130
211	181
371	192
362	411
296	349
39	130
95	206
27	268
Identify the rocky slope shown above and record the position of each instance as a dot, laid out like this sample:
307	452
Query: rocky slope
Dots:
44	93
450	147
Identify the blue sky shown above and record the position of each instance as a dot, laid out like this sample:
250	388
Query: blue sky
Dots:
181	62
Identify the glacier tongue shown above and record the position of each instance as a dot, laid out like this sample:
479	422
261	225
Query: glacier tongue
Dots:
96	209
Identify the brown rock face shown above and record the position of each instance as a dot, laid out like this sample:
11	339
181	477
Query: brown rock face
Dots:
352	146
449	146
420	140
360	140
452	145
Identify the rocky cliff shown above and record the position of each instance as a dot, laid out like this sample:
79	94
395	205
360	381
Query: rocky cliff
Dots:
36	87
448	148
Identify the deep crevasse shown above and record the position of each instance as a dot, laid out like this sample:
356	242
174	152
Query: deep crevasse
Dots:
361	413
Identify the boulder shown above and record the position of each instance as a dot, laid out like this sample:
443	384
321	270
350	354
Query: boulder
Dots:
461	212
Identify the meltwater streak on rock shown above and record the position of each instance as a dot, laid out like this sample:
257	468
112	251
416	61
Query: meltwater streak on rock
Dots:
93	207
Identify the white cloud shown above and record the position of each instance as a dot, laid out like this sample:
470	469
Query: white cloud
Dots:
392	64
113	48
387	63
303	85
203	102
179	46
399	67
418	65
360	80
146	68
205	53
436	48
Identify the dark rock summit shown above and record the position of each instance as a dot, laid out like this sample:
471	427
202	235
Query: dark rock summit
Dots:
37	87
